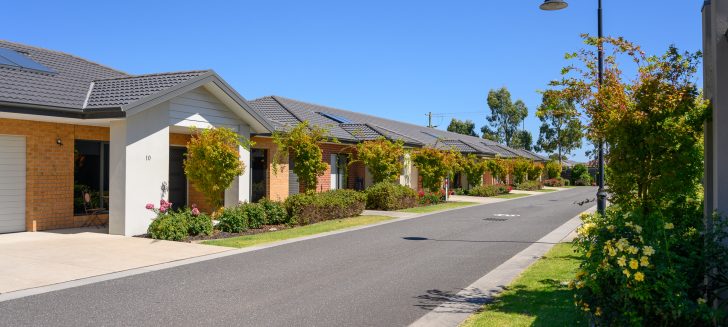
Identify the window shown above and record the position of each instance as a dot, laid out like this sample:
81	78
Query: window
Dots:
90	175
336	118
339	165
14	59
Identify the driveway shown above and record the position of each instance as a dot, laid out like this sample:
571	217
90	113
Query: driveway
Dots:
29	260
385	275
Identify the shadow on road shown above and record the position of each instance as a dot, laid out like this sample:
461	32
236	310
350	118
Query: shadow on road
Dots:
419	238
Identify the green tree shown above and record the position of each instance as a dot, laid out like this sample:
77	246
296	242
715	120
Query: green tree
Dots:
505	115
522	140
302	142
490	134
534	173
521	168
433	165
553	169
213	161
382	157
652	122
466	127
473	168
561	129
499	168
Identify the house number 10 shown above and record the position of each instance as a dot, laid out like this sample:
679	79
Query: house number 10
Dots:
149	157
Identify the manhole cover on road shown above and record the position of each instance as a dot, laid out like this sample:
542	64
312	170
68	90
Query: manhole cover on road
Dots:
505	215
495	219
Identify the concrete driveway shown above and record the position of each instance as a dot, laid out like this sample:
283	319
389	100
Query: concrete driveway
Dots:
29	260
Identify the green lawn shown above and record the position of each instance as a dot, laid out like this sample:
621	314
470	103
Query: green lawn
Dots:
539	297
545	190
437	207
510	195
322	227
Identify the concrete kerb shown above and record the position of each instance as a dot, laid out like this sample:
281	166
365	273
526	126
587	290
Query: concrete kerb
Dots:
468	301
136	271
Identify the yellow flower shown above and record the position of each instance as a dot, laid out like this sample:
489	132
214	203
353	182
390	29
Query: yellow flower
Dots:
580	274
648	250
622	243
633	249
637	228
612	252
622	261
634	264
579	284
598	312
626	272
669	226
644	261
610	228
639	276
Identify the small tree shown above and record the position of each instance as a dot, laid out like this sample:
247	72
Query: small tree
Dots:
534	173
212	161
433	165
302	141
561	129
553	169
473	168
382	157
521	167
499	168
466	127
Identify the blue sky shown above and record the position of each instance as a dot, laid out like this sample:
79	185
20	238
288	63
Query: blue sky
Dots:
397	59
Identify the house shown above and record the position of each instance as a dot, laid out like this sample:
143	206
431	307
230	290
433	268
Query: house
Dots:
75	134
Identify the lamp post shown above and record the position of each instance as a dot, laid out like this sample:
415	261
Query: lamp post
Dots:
560	4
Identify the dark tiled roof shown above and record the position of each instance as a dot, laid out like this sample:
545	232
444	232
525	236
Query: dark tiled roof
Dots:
458	145
66	88
361	131
78	83
278	109
116	92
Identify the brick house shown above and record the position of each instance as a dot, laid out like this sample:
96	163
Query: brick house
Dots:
76	135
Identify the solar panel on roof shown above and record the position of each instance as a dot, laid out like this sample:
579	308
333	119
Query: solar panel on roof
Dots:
336	118
13	58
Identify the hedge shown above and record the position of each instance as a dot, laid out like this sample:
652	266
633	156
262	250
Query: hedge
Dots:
390	196
309	208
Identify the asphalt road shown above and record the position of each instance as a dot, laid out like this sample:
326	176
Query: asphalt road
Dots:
388	275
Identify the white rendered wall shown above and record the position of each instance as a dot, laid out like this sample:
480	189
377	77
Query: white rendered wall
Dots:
239	190
138	169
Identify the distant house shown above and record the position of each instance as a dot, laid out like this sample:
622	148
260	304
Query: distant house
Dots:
76	135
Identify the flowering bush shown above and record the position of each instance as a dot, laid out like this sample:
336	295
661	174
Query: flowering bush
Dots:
554	182
429	198
643	270
177	225
529	186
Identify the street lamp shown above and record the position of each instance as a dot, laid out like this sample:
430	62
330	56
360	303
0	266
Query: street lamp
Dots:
560	4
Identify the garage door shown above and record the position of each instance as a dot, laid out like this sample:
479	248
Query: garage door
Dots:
12	184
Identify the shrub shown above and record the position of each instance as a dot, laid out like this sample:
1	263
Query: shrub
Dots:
390	196
554	182
430	198
177	225
520	170
499	168
171	227
577	172
534	173
255	214
308	208
232	220
382	158
302	142
433	165
529	186
473	168
212	161
553	169
583	180
490	190
646	269
460	191
275	212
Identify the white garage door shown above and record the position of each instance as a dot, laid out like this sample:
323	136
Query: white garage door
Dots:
12	184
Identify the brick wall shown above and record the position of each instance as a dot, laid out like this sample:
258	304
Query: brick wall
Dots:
276	180
324	181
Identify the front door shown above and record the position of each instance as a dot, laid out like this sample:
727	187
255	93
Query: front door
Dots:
258	170
177	177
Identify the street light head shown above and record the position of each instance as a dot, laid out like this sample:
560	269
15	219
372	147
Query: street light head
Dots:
553	5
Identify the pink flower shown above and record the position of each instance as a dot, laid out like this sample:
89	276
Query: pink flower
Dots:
150	206
195	211
193	206
163	203
162	209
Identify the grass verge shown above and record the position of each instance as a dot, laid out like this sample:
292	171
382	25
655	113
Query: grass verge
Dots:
322	227
437	207
539	297
511	195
